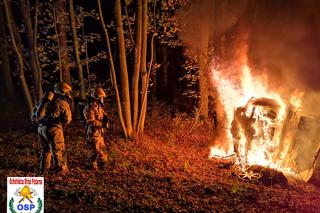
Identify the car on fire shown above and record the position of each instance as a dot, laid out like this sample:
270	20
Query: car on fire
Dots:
264	133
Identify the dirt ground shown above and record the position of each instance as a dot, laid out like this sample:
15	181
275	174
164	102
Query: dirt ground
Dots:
166	170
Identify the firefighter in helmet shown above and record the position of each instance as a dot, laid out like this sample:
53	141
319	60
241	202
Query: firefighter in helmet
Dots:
56	115
96	122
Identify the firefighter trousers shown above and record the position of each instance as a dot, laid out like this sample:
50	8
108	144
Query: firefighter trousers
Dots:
96	147
53	151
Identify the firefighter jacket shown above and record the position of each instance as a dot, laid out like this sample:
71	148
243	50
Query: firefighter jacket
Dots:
94	115
58	113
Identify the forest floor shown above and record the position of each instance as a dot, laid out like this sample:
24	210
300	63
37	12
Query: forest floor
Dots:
166	170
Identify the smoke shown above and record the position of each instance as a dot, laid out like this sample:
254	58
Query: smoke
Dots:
283	36
284	44
202	19
282	41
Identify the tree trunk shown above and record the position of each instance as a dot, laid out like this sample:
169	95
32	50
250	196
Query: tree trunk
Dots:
203	83
123	69
76	49
113	71
145	93
35	39
58	43
87	57
165	69
16	42
87	66
144	77
26	19
137	62
62	36
154	77
6	79
203	64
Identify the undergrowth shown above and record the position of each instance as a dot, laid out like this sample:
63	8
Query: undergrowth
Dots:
166	169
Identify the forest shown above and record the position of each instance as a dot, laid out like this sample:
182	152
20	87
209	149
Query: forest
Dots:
208	105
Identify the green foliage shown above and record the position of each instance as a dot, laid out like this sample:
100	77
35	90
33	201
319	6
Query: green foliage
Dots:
191	77
48	48
161	16
161	22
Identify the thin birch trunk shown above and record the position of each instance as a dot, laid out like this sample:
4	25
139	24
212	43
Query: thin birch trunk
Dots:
113	71
137	63
144	77
35	41
62	24
59	50
203	102
154	77
4	60
87	65
203	82
26	19
76	49
123	69
14	34
145	93
87	58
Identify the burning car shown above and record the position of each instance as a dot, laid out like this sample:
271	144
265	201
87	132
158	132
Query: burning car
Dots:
266	133
256	122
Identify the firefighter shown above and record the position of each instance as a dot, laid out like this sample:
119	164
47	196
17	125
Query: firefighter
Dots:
50	129
96	122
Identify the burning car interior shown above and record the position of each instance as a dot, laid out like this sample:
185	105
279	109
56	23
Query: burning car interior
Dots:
267	135
263	127
257	121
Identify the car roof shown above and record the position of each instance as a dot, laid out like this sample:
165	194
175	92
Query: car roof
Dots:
264	102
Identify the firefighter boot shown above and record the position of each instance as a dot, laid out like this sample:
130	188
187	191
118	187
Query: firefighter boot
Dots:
45	162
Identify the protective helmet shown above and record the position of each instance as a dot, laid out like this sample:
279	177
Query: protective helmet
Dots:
62	88
98	93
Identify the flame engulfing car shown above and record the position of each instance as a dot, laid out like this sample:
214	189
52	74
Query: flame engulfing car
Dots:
266	134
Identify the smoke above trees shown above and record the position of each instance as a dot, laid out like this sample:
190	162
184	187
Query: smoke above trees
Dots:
282	39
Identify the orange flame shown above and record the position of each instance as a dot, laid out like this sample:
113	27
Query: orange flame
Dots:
233	94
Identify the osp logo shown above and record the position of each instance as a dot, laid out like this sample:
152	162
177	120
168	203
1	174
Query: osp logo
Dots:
25	194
